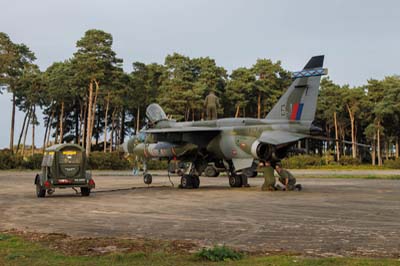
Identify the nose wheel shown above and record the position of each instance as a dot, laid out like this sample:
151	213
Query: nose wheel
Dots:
147	179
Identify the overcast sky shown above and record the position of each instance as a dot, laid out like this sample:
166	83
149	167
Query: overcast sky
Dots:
361	39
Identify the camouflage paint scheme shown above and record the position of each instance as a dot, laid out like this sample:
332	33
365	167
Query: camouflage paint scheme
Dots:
236	141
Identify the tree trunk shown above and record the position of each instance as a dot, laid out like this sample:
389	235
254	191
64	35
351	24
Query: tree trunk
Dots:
112	130
45	135
22	130
12	124
342	136
76	125
336	137
237	111
94	110
47	132
373	155
259	105
116	132
57	132
80	123
353	137
105	122
84	122
187	113
97	117
378	134
33	129
89	119
387	150
62	122
26	132
265	108
122	128
47	140
328	136
137	121
397	147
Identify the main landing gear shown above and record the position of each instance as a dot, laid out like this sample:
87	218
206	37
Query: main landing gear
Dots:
190	181
236	179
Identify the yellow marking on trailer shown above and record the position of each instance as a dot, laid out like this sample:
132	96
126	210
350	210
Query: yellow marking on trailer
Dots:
69	152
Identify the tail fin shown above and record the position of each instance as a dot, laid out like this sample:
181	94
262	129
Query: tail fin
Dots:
300	100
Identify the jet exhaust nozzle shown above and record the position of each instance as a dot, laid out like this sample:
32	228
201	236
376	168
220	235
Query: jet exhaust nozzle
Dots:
261	151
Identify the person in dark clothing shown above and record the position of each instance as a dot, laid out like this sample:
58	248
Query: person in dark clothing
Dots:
287	179
268	173
211	103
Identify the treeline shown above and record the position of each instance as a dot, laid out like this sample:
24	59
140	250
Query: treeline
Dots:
88	99
366	114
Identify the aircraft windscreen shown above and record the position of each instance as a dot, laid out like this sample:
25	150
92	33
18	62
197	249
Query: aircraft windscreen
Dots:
155	113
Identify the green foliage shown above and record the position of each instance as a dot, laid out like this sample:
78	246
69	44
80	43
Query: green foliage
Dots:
186	81
312	161
17	251
179	86
8	160
33	162
393	164
219	253
13	60
95	58
303	161
240	85
157	165
108	161
4	237
348	160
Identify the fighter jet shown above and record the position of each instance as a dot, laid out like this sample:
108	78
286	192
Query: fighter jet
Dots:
236	144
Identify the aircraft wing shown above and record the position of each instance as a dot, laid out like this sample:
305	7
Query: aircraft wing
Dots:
199	136
278	137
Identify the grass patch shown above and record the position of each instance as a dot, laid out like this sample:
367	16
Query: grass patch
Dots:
219	253
349	176
14	250
350	167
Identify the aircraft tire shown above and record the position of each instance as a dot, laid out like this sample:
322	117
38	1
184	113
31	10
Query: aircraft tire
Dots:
187	181
148	179
235	180
196	181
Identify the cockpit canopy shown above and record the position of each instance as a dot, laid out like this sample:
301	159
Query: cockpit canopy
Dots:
155	113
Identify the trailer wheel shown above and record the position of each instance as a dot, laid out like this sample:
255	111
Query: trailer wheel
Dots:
40	191
85	191
210	171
